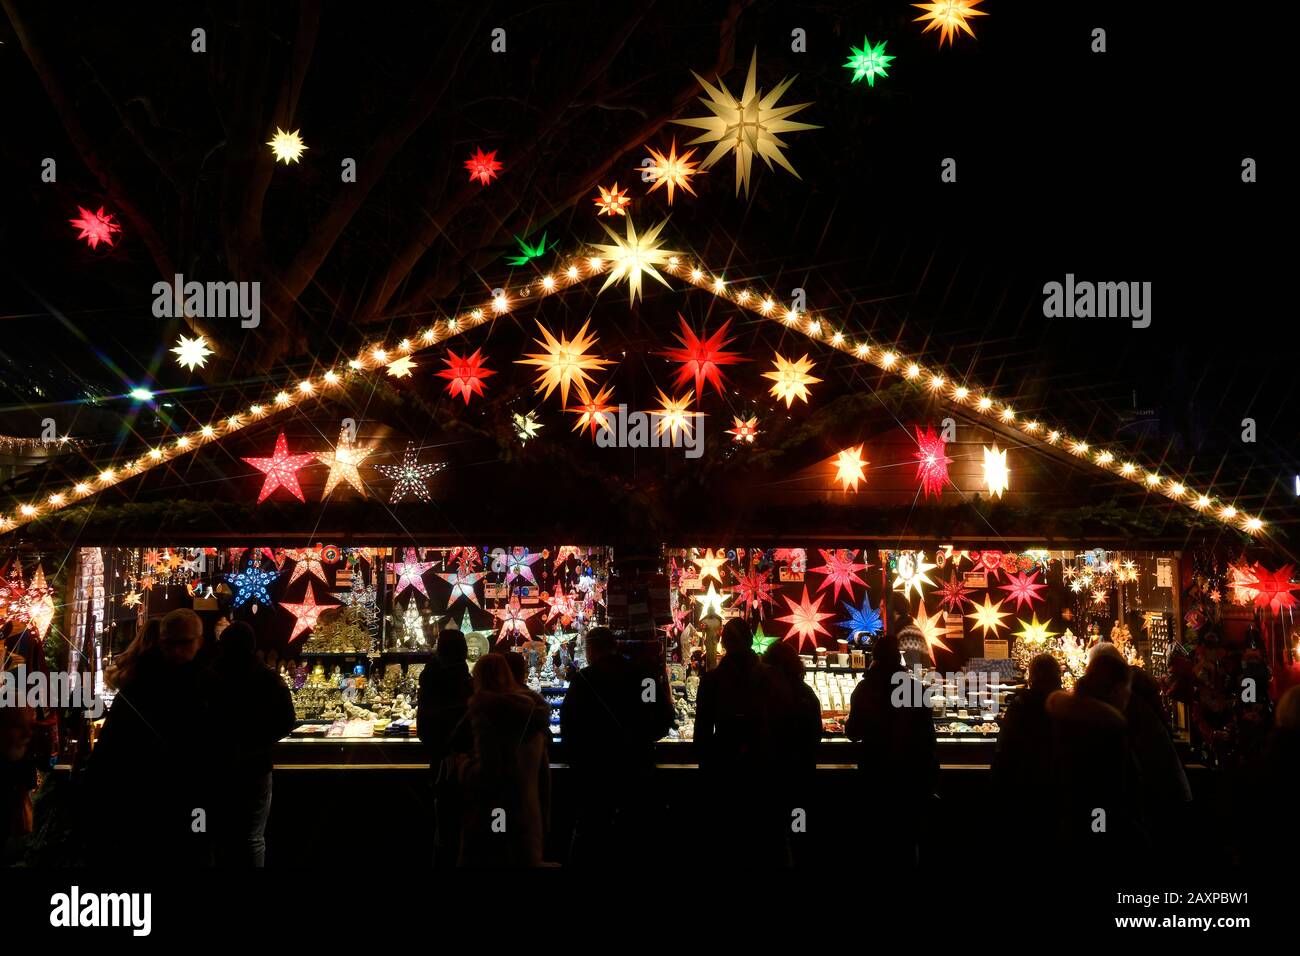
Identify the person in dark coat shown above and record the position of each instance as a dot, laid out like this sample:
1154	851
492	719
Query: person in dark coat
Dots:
445	688
1024	772
611	717
1165	793
17	781
151	771
507	778
260	713
1100	811
796	734
897	752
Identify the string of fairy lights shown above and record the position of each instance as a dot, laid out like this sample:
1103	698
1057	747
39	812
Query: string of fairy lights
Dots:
627	261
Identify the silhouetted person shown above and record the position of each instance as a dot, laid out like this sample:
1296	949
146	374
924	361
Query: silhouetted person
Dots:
17	781
1100	789
445	688
612	715
507	778
1166	795
889	720
260	714
152	767
796	735
733	736
518	666
1024	771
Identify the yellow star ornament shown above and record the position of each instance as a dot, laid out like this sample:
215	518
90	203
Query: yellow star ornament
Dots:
791	379
343	462
633	256
564	362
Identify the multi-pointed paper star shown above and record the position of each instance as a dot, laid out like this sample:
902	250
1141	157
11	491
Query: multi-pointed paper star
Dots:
519	564
805	619
841	571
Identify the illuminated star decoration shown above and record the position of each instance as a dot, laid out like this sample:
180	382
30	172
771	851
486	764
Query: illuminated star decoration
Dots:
634	256
1275	589
96	227
1242	581
1023	589
287	147
931	629
702	359
251	584
861	620
307	561
841	571
1035	631
519	564
746	125
483	166
564	552
868	62
791	379
996	476
912	573
281	470
762	641
465	374
400	367
132	599
410	573
672	415
710	601
343	462
753	589
526	426
931	462
192	353
746	429
39	601
564	362
710	564
306	613
953	595
527	253
850	468
593	413
949	16
805	619
513	620
612	202
671	170
462	586
409	477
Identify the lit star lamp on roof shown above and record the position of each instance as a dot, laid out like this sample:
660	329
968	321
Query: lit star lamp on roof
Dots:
281	470
633	256
410	477
343	462
563	362
702	358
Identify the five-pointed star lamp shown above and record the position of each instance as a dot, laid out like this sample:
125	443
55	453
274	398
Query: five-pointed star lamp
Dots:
343	462
281	470
409	477
306	613
410	572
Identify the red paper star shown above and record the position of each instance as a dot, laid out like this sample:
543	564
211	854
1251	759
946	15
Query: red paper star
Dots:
612	202
953	595
1023	588
306	613
746	429
465	375
932	463
840	570
805	619
483	166
753	589
702	358
1275	588
96	227
281	470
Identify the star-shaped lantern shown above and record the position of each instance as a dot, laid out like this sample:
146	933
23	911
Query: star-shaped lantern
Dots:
864	620
670	170
753	589
564	362
519	564
612	201
483	166
850	468
251	584
1023	589
343	462
1035	631
710	602
409	477
931	629
96	227
745	430
702	358
931	462
805	619
462	586
710	564
634	256
514	621
1274	589
306	613
791	379
287	147
841	571
911	572
308	561
410	572
465	374
281	470
948	17
192	353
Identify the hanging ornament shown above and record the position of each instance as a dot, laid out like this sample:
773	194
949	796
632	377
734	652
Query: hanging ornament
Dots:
931	629
863	620
805	619
526	426
791	379
745	430
953	595
39	602
671	170
252	583
932	462
410	573
307	561
702	359
672	415
593	413
612	202
306	613
132	598
747	125
1035	631
1023	589
710	602
1275	588
529	251
409	477
281	470
483	166
563	362
710	565
519	564
343	462
287	147
96	227
465	374
400	367
949	16
634	256
1243	584
996	475
753	589
462	586
841	571
513	620
192	353
911	572
868	62
850	468
762	641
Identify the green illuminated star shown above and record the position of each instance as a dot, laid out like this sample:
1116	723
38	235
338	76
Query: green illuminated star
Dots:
762	641
868	62
527	252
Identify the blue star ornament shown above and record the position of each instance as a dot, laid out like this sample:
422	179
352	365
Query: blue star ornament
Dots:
251	584
861	620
